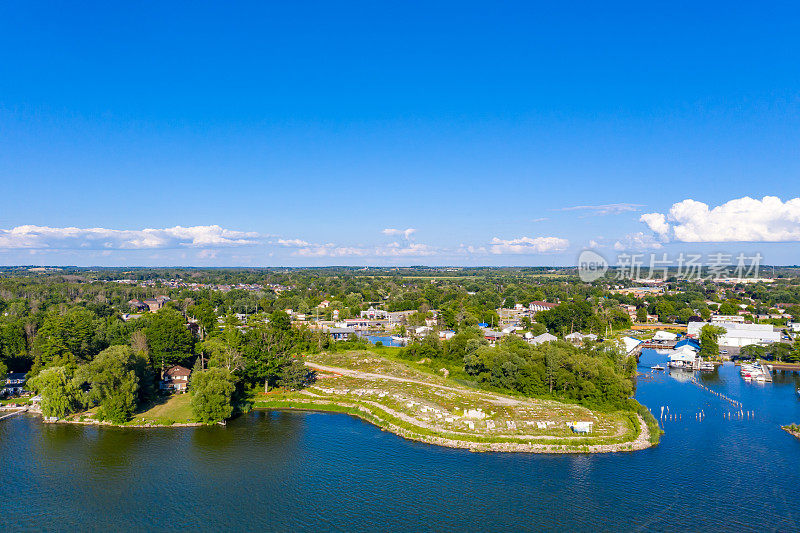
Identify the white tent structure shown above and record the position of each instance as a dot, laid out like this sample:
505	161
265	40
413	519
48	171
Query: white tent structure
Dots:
664	336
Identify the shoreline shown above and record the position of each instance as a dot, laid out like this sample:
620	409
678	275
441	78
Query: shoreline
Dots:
362	412
641	442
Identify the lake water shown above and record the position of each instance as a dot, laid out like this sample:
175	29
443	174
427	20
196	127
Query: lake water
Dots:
289	471
386	340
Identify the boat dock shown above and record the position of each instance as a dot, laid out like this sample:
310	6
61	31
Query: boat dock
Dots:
767	373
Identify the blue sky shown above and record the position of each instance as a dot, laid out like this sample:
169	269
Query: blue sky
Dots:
303	133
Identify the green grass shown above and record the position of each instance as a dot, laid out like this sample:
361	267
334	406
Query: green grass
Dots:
21	401
407	408
172	409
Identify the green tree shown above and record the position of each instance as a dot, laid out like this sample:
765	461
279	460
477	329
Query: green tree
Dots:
641	315
296	376
113	378
212	394
709	340
752	351
60	396
169	339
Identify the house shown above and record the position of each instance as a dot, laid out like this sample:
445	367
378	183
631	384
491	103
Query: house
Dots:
338	334
175	379
138	305
373	313
492	336
574	338
152	304
544	337
535	307
15	382
324	304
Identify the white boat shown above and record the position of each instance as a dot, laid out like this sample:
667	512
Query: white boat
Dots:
656	367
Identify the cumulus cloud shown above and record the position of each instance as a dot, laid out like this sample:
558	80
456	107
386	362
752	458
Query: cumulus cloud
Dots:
604	209
528	245
740	220
637	242
406	233
44	237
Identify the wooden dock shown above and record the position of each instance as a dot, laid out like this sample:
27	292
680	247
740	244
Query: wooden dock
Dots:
767	373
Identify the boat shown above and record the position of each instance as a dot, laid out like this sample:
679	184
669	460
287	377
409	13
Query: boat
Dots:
656	367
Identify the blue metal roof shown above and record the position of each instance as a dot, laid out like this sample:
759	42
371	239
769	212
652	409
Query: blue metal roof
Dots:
688	342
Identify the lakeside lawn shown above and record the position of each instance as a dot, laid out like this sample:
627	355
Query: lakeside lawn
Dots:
175	408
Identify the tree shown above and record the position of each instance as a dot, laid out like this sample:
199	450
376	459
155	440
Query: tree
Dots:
60	396
207	317
728	308
212	395
114	383
296	376
266	351
709	340
280	321
641	315
169	339
752	351
778	351
794	354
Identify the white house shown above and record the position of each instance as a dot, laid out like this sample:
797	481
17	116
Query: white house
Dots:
544	337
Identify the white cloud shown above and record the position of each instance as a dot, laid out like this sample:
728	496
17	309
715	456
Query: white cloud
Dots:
604	209
528	245
71	238
740	220
393	249
406	233
293	242
656	222
637	241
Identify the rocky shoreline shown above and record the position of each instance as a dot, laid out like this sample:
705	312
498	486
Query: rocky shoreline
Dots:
641	442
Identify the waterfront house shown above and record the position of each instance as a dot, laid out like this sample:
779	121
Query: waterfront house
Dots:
175	379
15	382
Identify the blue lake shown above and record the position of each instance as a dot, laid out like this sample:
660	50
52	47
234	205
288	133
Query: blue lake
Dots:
287	471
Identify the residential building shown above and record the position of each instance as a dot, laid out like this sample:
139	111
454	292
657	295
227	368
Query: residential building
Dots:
175	379
373	313
535	307
15	383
